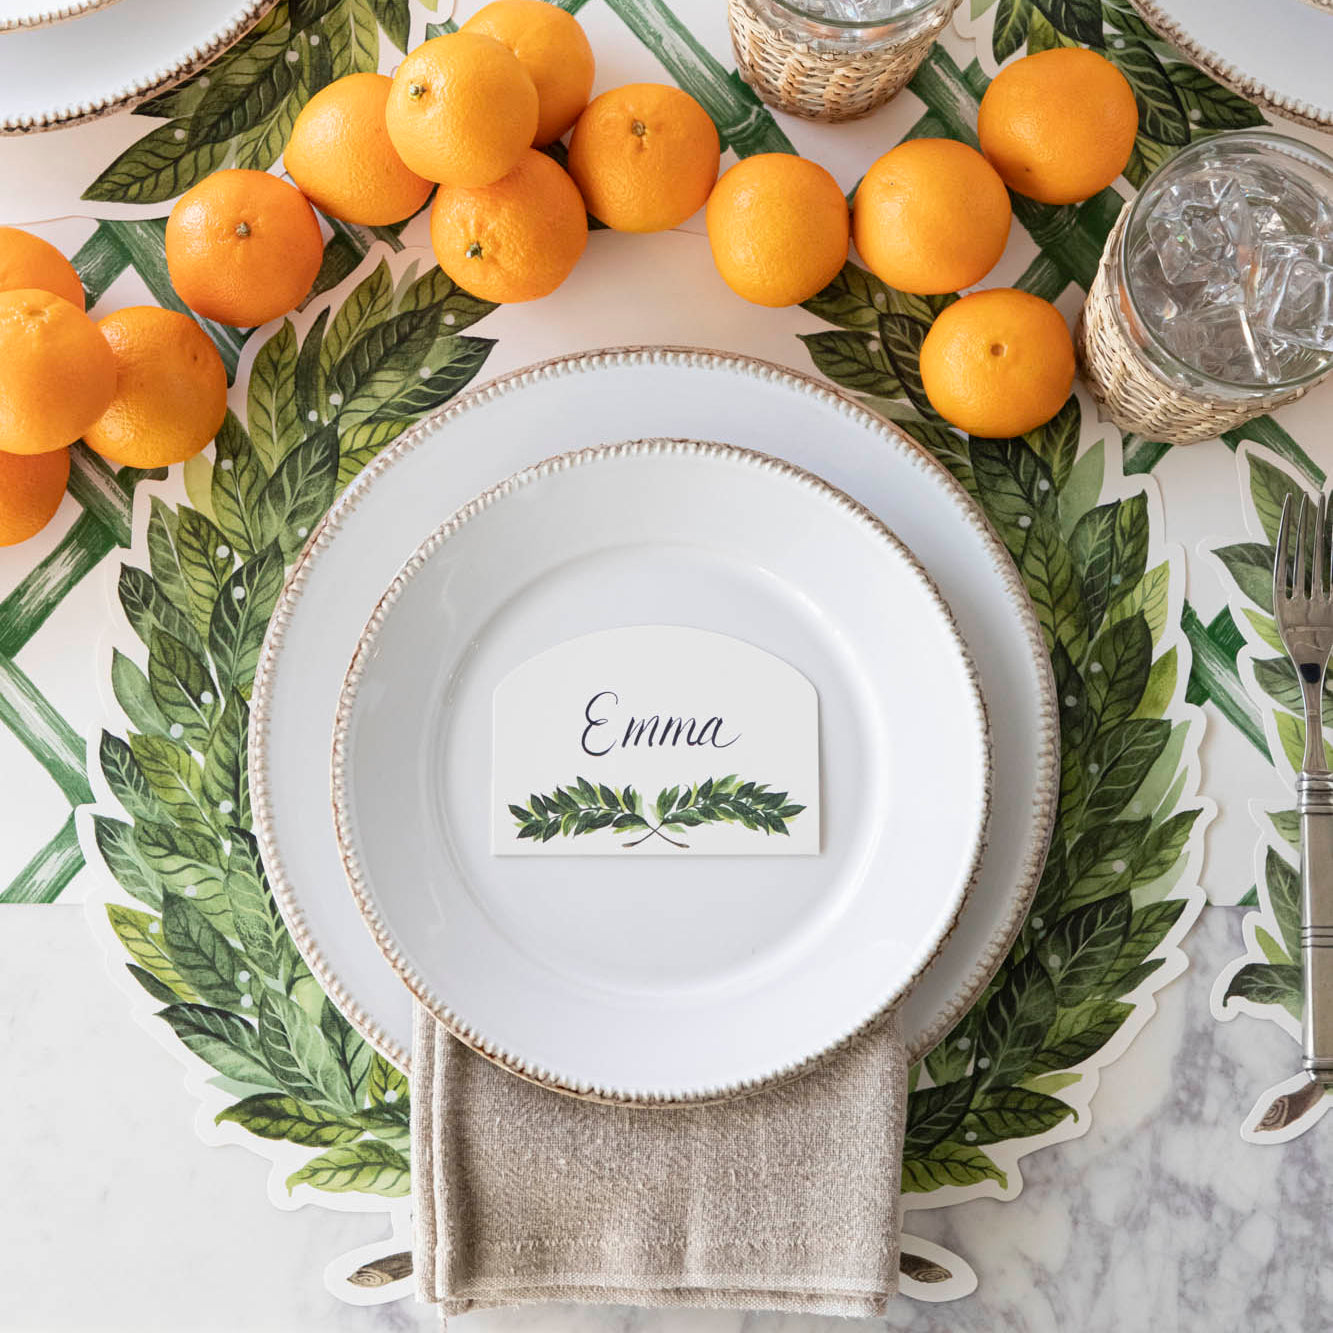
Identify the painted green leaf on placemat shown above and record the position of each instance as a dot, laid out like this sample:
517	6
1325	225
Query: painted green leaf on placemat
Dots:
1012	1113
140	933
1269	983
275	1116
1277	980
933	1113
240	111
1013	18
1101	916
949	1164
368	1167
212	947
388	1085
226	1041
115	841
201	953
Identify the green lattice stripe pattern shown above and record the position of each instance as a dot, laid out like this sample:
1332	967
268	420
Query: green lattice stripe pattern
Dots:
204	938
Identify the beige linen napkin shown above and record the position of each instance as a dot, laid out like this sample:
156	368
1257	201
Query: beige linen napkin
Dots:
783	1200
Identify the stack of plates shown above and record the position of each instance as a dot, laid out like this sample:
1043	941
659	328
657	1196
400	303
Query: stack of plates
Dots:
518	520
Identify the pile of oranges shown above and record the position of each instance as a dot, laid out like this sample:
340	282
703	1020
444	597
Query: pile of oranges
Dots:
143	387
467	116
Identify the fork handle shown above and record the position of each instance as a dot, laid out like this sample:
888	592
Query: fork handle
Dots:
1314	802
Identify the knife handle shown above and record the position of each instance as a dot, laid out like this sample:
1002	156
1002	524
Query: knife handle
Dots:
1314	802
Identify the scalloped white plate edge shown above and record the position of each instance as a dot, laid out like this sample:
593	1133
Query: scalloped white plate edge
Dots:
130	87
1159	16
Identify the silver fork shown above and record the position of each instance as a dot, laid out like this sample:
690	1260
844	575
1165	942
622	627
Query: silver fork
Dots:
1303	608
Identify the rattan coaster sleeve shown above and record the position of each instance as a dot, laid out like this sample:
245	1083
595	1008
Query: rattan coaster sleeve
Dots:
1131	392
794	77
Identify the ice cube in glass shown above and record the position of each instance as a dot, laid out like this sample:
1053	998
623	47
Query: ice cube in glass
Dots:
1290	291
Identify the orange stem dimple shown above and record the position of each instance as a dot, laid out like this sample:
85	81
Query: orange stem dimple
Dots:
473	251
998	349
416	90
242	229
638	128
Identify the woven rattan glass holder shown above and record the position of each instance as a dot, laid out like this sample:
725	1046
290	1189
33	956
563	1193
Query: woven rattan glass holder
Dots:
801	78
1131	391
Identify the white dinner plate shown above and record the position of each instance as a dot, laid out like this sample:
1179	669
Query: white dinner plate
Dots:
1275	52
523	418
38	13
112	57
682	976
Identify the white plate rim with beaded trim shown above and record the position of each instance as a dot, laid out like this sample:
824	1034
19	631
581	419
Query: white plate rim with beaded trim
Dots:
632	985
80	62
15	14
1275	54
602	397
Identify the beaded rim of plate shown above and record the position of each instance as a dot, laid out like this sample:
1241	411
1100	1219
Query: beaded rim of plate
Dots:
130	96
1291	108
345	823
1046	785
43	19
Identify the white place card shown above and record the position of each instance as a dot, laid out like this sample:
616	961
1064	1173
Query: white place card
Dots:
655	740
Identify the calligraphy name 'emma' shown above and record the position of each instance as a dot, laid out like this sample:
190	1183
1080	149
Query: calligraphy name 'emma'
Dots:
653	731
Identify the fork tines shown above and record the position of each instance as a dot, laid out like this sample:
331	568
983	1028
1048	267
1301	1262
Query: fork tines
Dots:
1292	581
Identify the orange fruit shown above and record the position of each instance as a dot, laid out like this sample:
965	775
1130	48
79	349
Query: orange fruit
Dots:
931	216
515	240
766	246
28	261
645	157
171	389
998	363
243	247
462	109
341	159
551	45
1058	126
57	373
31	489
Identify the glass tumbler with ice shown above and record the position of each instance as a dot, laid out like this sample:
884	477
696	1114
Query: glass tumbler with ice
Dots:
1226	266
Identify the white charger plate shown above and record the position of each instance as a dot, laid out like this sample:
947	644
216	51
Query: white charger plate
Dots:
690	977
38	13
523	418
113	57
1277	52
